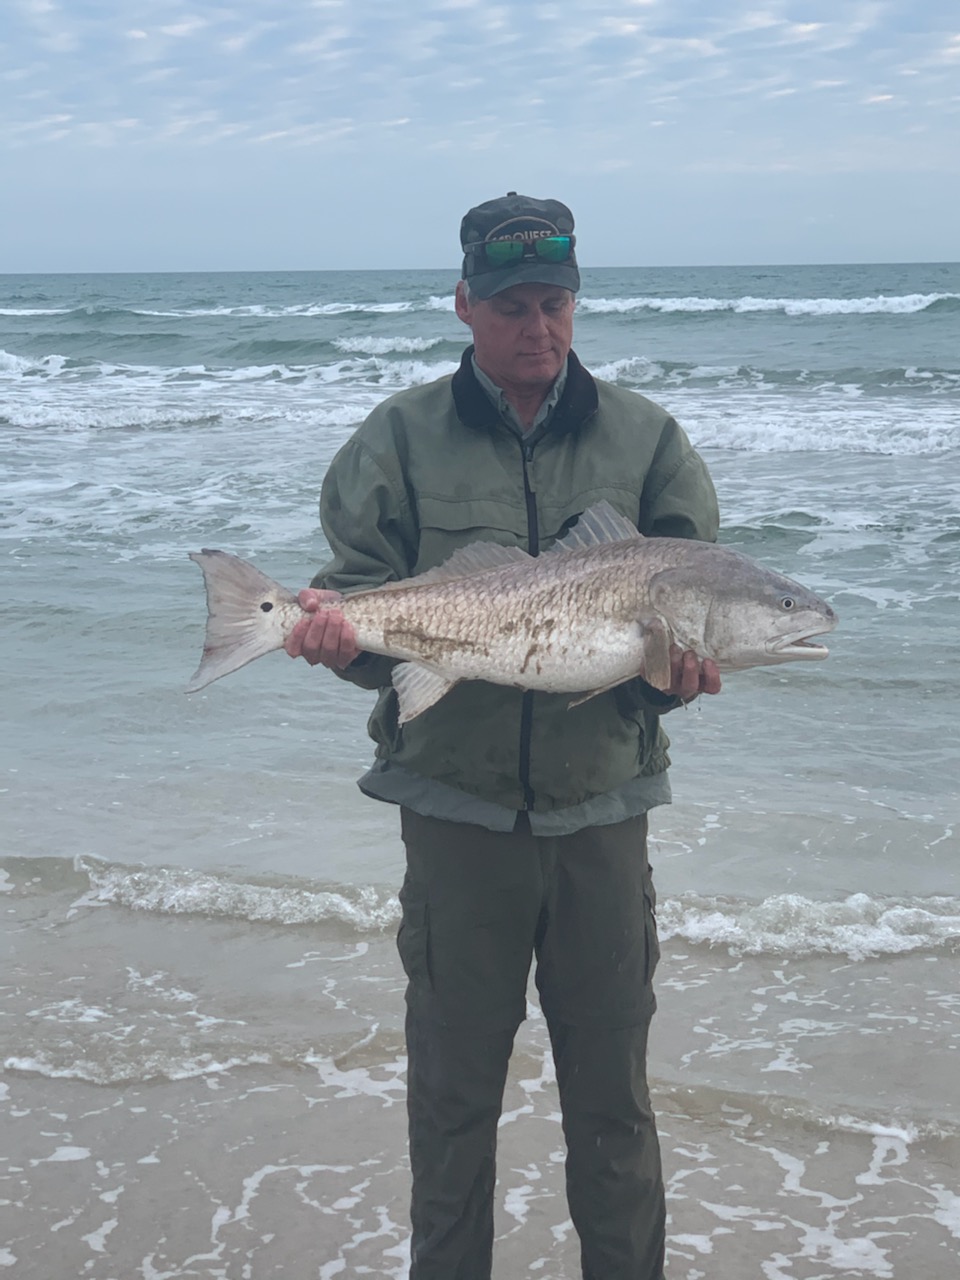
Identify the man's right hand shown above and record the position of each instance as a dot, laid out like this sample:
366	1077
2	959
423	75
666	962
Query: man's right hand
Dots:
325	636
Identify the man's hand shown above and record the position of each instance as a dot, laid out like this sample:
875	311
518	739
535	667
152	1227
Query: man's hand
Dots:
690	678
325	637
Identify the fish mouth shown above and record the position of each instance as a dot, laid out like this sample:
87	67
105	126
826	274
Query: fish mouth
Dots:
798	647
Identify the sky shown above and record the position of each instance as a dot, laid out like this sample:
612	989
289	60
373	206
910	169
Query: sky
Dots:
142	135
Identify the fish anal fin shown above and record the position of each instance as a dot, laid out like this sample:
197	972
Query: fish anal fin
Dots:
418	689
598	525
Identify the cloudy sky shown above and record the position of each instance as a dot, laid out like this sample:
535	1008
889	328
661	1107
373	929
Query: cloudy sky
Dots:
271	134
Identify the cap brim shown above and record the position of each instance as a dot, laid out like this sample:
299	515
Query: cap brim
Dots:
484	284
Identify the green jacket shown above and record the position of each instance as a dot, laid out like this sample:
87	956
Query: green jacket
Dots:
435	468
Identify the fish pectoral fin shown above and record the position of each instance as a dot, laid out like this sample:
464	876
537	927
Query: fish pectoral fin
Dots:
655	639
418	688
604	688
655	668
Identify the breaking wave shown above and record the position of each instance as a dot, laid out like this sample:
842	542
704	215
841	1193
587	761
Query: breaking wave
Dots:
786	924
881	304
176	891
876	304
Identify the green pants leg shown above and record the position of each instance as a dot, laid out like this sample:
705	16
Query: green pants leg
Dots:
454	1094
614	1182
470	902
597	952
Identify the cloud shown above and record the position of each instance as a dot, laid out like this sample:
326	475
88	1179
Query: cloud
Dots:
599	80
50	26
189	27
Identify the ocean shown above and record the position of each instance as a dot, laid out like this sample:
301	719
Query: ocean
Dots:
202	1053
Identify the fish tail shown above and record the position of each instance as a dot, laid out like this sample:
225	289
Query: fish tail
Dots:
246	618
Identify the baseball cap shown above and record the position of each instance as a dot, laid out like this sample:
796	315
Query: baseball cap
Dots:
518	240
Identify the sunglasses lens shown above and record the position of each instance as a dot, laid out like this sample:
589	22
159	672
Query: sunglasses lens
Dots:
504	253
500	253
553	248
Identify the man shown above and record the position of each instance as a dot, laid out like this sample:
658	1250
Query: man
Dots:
524	820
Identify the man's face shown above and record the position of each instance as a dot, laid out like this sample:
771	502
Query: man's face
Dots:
522	335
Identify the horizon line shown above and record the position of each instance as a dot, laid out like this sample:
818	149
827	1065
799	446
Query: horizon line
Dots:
674	266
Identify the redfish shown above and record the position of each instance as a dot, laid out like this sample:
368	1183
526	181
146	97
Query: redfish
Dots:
602	605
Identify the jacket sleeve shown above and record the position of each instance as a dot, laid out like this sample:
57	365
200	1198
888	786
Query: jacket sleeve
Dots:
679	501
369	523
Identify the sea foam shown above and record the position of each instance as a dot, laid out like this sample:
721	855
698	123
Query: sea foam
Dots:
784	924
172	891
788	924
906	304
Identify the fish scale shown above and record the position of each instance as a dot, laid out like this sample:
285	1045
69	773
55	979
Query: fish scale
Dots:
535	619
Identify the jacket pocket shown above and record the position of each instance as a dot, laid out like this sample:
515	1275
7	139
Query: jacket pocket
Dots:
446	525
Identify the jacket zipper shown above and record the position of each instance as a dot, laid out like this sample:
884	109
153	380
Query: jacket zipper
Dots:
526	707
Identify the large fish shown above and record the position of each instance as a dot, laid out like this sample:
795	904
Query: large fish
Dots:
602	605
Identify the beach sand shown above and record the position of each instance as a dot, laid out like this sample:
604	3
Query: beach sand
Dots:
281	1149
302	1173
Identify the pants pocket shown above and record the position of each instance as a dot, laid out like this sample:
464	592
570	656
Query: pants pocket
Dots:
413	936
651	937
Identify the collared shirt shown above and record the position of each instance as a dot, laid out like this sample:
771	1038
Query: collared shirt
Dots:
506	409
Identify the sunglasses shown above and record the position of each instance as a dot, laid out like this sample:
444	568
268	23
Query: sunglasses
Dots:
504	253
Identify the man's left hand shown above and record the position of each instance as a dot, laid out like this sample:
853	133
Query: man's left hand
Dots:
689	676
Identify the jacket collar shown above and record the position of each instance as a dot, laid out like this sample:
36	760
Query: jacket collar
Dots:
475	408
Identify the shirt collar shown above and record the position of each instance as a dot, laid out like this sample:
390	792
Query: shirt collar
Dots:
506	409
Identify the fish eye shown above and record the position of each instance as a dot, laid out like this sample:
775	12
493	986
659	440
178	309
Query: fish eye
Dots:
786	602
266	606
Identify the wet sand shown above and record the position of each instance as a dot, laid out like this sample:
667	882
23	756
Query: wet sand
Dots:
302	1173
292	1162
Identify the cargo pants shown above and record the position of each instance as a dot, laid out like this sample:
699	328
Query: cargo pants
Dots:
478	905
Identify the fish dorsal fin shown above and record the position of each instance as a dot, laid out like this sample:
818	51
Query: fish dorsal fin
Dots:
478	557
599	524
